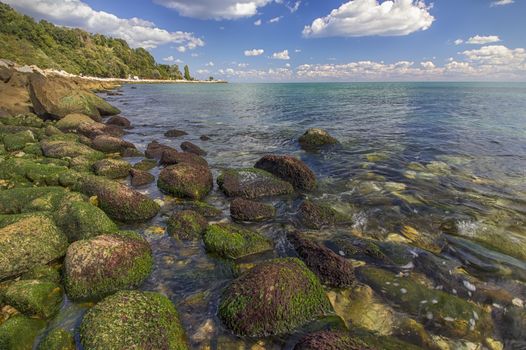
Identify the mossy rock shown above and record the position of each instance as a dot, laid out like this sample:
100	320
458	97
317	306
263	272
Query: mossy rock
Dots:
289	169
112	168
315	138
233	242
30	119
331	340
33	149
140	178
133	320
32	199
246	210
36	172
203	208
16	142
252	183
43	273
63	149
58	339
28	242
320	215
145	164
187	225
73	121
453	316
102	265
186	180
112	144
82	220
275	297
117	200
20	332
34	297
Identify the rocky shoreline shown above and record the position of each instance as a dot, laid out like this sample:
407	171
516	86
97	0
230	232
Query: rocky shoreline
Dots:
68	187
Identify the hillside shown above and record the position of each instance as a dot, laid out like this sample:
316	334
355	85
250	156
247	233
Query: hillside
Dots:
26	41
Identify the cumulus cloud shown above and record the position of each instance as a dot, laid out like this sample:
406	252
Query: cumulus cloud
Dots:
277	74
370	17
502	2
210	64
498	55
482	40
257	23
215	9
283	55
75	13
254	52
459	42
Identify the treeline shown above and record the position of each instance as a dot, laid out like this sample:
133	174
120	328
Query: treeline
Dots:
26	41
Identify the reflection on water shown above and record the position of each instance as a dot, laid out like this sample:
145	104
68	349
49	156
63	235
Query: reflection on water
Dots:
438	168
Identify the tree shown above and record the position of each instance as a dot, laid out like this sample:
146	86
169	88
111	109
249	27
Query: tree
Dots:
211	78
187	75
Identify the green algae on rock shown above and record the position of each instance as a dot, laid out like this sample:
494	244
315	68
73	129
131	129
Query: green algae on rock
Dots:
133	320
20	171
246	210
275	297
102	265
315	138
72	122
57	339
31	199
43	273
20	332
140	178
186	225
233	242
17	141
331	340
317	215
145	164
186	180
252	183
34	297
62	149
112	168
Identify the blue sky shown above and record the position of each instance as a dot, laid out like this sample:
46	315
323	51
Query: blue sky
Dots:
292	40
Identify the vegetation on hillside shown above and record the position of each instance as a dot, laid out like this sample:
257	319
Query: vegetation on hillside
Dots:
26	41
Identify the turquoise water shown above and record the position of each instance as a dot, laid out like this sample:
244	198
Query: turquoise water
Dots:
444	160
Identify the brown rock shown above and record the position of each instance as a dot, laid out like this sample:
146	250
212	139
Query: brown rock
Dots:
98	129
111	144
191	148
119	121
186	180
247	210
171	157
155	150
141	178
289	169
175	133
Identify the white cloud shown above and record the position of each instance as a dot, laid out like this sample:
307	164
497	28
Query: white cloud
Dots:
203	71
428	65
181	49
294	6
75	13
169	59
459	42
502	2
254	52
215	9
368	17
498	55
482	40
210	64
278	74
242	65
297	50
275	19
283	55
257	23
287	65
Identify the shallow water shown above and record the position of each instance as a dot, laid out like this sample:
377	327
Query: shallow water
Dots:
411	154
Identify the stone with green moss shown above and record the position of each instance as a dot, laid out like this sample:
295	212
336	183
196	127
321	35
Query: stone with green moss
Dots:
203	208
38	173
20	332
63	149
319	215
186	225
331	340
28	242
315	138
186	180
275	297
112	168
34	298
82	220
252	183
16	142
58	339
145	164
33	149
102	265
453	316
31	199
133	320
233	242
28	119
43	273
73	121
374	341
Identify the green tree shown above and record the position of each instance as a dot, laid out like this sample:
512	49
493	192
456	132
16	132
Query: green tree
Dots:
187	75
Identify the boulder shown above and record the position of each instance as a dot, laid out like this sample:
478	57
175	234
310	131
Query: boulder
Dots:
246	210
204	138
289	169
63	149
58	339
252	183
102	265
316	216
133	320
187	225
34	298
111	144
175	133
43	273
331	269
20	332
119	121
331	340
145	165
141	178
17	141
155	150
275	297
233	242
205	209
112	168
97	129
315	138
191	148
171	157
28	242
73	121
186	180
31	199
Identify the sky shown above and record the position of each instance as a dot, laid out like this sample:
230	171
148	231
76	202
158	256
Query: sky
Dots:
309	40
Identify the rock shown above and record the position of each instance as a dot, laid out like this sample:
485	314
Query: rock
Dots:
247	210
34	298
314	138
117	200
252	183
58	339
205	209
82	220
111	144
28	242
191	148
5	74
141	178
233	242
16	142
29	119
275	297
204	138
289	169
73	121
187	225
186	180
112	168
145	165
175	133
31	199
330	340
331	269
97	129
63	149
317	216
42	273
155	150
453	316
171	157
20	332
54	98
102	265
119	121
133	320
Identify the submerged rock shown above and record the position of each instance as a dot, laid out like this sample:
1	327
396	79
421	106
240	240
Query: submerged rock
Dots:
119	121
155	150
275	297
247	210
187	225
314	138
171	157
20	332
186	180
289	169
133	320
232	241
112	168
191	148
175	133
58	339
330	340
105	264
330	268
205	209
316	216
141	178
145	165
252	183
34	298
